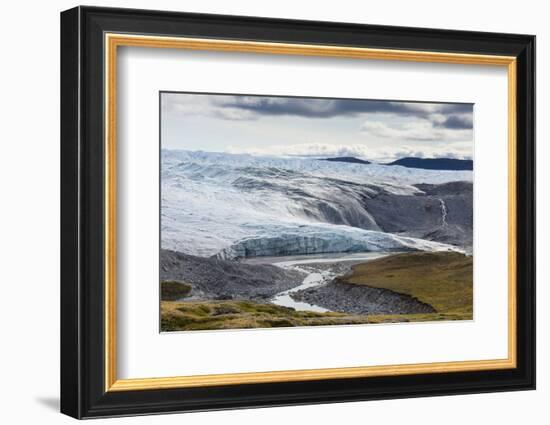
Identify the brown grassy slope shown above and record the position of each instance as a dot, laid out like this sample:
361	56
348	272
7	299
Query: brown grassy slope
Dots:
208	315
441	279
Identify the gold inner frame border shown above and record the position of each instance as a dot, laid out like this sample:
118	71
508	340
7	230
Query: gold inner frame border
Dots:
113	40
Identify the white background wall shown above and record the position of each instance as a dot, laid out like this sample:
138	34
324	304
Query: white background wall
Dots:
29	212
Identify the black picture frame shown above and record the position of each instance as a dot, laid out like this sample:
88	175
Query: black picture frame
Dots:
83	392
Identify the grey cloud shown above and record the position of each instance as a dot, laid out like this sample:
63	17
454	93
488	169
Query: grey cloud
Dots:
325	108
456	122
451	116
457	108
455	116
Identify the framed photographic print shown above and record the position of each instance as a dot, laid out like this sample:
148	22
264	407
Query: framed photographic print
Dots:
261	212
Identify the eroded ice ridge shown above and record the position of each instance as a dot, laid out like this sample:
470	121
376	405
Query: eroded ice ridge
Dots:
227	205
319	240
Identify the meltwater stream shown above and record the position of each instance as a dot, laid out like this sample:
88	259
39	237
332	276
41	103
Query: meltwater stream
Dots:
314	277
443	212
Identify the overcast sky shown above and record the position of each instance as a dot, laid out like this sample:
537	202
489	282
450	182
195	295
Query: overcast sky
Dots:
370	129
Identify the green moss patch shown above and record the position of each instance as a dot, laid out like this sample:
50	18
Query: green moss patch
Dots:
171	290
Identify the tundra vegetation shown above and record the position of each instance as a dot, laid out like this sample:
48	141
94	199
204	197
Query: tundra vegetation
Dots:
207	315
442	280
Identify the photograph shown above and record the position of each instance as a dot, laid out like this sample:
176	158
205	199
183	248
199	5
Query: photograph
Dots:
283	210
280	211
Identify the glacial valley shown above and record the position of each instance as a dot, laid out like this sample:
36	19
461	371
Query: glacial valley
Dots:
229	221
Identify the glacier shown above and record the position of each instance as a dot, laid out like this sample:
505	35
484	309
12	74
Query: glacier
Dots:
232	206
321	240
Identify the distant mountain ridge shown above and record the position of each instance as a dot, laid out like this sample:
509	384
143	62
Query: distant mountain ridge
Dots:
435	163
348	159
414	162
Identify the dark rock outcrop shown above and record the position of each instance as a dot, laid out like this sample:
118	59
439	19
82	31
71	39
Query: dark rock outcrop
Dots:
212	278
442	213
